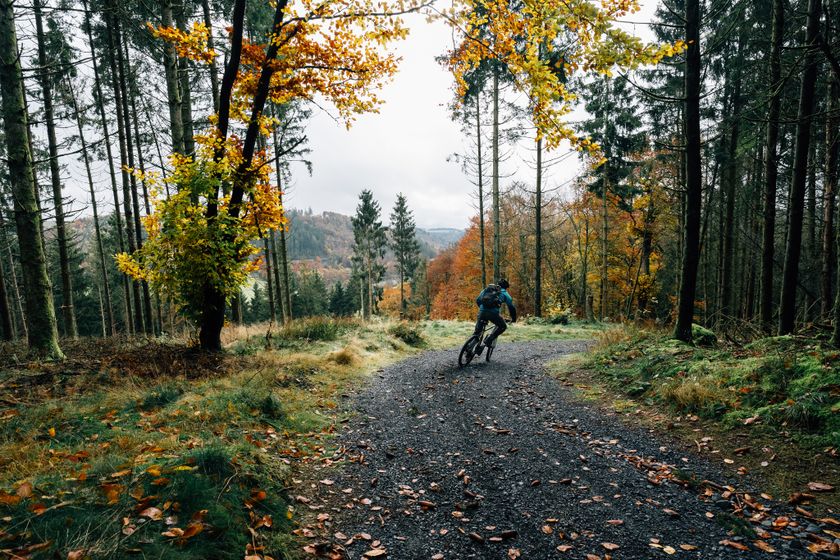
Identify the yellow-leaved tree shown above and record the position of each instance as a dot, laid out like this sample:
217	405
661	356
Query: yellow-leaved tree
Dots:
201	239
542	44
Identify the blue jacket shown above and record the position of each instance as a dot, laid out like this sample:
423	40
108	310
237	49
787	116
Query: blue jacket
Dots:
505	300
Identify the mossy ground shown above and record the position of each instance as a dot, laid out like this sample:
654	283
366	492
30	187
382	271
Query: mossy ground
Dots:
149	448
778	398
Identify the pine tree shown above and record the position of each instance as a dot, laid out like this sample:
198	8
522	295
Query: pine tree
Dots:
42	331
369	245
404	244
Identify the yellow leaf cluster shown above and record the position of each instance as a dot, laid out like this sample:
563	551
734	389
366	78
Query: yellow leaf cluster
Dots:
542	44
190	44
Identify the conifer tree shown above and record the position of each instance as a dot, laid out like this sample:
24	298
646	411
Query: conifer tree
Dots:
369	245
42	331
404	244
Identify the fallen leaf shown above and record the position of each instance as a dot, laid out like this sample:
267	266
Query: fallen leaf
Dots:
610	546
688	547
615	522
51	431
375	553
24	490
153	513
764	546
733	544
514	553
564	548
76	554
820	487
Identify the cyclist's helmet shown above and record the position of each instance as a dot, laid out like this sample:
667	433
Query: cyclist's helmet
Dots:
504	284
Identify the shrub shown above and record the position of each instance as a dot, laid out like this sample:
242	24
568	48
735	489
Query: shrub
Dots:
344	357
407	333
316	328
702	336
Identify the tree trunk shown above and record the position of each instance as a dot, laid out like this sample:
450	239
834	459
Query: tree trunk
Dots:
124	70
693	173
214	72
771	168
18	300
283	265
184	83
100	107
271	306
68	313
482	247
496	221
538	248
602	311
790	275
129	96
173	91
105	295
829	197
40	314
7	331
731	177
276	270
113	48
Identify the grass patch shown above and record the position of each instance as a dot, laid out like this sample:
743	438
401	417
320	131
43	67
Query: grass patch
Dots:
786	383
408	333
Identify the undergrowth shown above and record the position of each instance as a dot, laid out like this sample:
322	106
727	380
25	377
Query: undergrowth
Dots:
789	384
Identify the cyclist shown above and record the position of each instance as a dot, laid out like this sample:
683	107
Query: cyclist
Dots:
489	303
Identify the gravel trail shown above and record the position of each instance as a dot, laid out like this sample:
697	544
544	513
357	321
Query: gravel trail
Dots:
498	460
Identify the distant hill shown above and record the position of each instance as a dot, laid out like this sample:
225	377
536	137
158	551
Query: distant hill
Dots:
317	241
325	242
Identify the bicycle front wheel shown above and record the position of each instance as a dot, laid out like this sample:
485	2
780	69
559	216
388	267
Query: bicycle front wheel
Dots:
467	352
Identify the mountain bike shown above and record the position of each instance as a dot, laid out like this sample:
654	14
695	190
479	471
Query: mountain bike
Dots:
468	350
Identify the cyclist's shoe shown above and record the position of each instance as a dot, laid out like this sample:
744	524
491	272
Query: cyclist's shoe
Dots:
479	349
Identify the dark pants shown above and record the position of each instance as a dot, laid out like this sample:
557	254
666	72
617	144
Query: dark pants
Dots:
494	317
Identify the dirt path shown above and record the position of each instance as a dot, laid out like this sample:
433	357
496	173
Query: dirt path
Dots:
499	461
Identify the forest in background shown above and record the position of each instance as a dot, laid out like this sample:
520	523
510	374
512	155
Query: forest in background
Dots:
708	193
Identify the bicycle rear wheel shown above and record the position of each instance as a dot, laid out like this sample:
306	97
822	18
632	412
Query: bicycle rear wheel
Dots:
467	351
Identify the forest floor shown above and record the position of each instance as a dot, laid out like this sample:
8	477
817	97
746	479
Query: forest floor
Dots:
146	447
346	439
500	460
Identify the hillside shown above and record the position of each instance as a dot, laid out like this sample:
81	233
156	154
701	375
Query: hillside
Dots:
325	241
320	241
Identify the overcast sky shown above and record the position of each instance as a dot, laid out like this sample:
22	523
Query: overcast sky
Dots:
404	148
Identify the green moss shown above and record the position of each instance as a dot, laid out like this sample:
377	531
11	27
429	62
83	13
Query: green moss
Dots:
791	383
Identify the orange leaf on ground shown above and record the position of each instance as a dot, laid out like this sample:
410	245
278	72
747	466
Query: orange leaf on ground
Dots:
733	544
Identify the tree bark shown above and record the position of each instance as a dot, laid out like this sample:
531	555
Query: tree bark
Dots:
214	72
790	275
173	91
125	154
496	220
184	83
42	332
538	249
693	174
482	251
272	308
68	313
771	168
275	268
731	177
832	151
7	331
